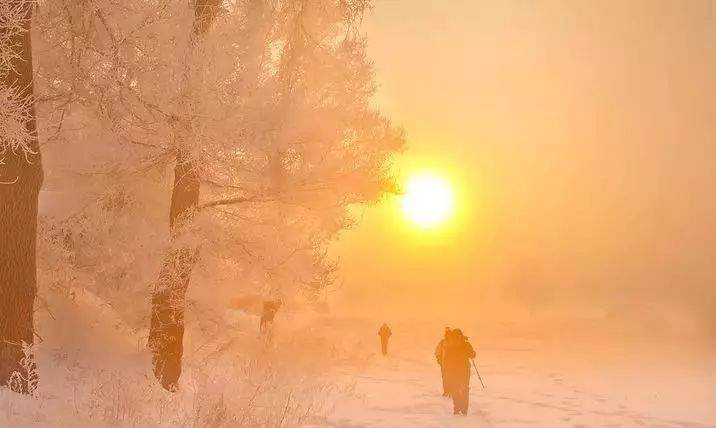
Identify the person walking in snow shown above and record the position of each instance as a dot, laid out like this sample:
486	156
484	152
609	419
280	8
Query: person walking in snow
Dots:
457	353
439	358
384	334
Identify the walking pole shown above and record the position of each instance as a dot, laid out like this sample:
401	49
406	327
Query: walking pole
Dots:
478	373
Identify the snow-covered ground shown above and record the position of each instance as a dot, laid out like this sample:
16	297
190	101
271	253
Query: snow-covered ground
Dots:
327	370
534	382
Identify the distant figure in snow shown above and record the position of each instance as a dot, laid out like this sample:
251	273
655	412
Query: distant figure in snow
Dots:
457	353
439	350
384	334
267	315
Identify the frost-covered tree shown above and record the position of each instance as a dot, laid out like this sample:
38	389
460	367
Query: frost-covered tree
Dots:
260	108
166	334
20	181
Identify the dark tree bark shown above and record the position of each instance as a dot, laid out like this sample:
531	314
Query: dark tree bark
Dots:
20	180
166	334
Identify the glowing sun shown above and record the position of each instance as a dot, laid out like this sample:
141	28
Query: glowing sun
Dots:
428	201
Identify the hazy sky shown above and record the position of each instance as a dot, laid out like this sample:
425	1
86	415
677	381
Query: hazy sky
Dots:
582	139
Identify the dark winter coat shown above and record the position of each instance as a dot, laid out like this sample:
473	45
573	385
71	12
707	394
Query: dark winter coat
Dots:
456	356
384	332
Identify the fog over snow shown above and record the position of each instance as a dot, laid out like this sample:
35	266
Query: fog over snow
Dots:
208	209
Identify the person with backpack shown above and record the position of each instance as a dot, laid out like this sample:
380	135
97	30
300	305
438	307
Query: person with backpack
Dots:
384	334
456	356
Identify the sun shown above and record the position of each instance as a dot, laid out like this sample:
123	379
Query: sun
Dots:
428	201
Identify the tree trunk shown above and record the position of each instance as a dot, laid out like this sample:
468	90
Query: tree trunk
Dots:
166	334
20	180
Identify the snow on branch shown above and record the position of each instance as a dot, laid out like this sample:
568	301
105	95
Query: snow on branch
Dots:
15	105
14	114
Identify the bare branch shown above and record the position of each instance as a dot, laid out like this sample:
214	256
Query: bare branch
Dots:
233	201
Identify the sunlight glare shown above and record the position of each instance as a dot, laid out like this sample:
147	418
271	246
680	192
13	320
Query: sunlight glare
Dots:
429	200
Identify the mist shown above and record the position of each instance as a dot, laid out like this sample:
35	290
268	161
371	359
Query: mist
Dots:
581	140
209	214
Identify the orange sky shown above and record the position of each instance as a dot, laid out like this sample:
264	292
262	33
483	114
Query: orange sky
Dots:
582	136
